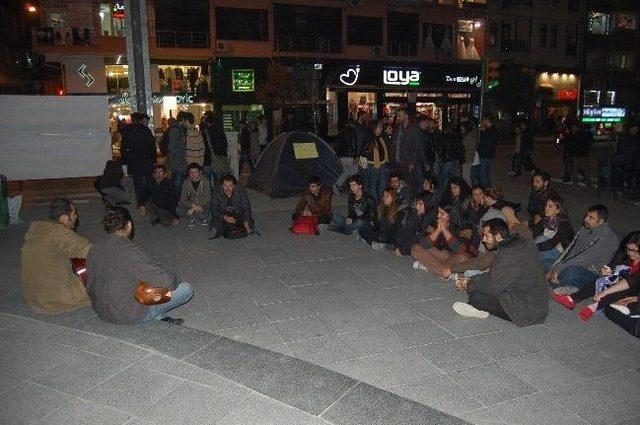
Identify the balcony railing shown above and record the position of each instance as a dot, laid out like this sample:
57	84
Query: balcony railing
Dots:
402	48
511	3
515	46
287	43
49	36
183	39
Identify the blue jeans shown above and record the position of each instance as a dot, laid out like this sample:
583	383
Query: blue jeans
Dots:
179	296
576	276
447	170
547	257
364	228
177	178
485	172
375	180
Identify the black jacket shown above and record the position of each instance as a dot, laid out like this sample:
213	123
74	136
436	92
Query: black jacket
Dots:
138	149
236	206
219	143
364	209
487	145
451	148
162	194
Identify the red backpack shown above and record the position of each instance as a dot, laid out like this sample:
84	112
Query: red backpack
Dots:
305	225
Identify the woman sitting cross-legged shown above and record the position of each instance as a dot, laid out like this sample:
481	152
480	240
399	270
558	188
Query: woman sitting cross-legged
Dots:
614	284
444	246
388	221
553	233
413	224
458	193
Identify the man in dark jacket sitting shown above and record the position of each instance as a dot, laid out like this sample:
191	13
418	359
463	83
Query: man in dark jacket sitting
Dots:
362	212
230	211
541	190
115	269
162	199
514	288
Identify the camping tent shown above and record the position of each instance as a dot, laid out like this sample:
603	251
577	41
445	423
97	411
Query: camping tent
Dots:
285	166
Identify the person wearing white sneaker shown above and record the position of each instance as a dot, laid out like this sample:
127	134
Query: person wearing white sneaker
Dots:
514	289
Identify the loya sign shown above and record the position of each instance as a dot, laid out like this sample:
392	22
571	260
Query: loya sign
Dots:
399	77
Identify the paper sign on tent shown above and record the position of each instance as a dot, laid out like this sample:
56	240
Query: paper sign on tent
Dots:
305	150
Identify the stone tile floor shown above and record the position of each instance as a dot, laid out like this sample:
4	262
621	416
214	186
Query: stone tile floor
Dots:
331	301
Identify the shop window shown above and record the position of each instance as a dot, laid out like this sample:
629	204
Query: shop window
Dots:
365	102
599	23
466	45
111	19
242	24
179	80
610	98
438	37
117	78
56	20
364	31
553	36
543	35
622	61
626	21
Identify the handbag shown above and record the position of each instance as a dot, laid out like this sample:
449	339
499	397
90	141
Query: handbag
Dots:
147	294
305	225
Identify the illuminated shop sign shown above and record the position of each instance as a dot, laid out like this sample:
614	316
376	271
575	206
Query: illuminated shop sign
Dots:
117	12
567	94
472	80
156	98
350	76
603	114
399	77
243	80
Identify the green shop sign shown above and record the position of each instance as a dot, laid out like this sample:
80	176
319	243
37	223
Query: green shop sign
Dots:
243	80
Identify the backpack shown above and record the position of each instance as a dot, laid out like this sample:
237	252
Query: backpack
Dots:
305	225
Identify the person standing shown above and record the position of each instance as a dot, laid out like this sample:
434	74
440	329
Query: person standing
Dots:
263	137
175	145
580	154
138	152
244	138
470	143
205	130
451	154
373	161
194	145
406	151
254	135
487	149
363	131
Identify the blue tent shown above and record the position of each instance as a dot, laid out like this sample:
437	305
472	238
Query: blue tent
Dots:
286	164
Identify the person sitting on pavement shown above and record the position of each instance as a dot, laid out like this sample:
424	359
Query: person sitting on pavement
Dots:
361	212
553	233
457	192
591	248
115	188
404	192
116	266
315	202
443	245
162	200
195	198
541	190
388	222
413	226
430	193
513	288
231	215
492	205
619	279
476	208
48	282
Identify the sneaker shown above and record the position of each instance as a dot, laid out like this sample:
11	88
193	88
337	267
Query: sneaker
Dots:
204	222
564	300
417	265
467	310
377	246
172	320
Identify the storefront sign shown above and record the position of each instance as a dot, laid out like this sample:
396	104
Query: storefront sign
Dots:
567	94
350	76
604	112
185	98
117	12
399	77
82	72
243	80
473	80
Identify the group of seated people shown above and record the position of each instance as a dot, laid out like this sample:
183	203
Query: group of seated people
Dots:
224	207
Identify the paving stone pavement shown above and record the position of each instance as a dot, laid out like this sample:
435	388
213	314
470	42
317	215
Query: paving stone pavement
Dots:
341	322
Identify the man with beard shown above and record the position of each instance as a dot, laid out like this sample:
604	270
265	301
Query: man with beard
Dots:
230	211
116	267
514	287
316	202
48	282
541	191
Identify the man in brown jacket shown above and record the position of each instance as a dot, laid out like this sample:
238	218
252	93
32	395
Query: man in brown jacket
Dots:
48	282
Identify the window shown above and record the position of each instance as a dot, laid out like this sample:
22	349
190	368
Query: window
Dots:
307	28
543	35
364	31
626	21
622	61
573	5
493	34
402	31
599	23
438	37
241	24
111	17
182	15
570	44
553	36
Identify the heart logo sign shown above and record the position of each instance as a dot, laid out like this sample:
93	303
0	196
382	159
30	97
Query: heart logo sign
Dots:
350	77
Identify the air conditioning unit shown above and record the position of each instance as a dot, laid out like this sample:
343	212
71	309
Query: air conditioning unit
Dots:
377	51
222	46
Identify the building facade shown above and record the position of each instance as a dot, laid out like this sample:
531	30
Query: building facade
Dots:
230	56
535	54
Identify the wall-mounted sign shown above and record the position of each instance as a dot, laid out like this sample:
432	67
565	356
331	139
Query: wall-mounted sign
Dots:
350	76
82	72
603	114
400	77
472	80
567	94
157	99
117	11
243	80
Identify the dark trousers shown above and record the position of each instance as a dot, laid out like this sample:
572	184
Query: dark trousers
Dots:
159	215
245	157
629	324
487	302
141	187
589	291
